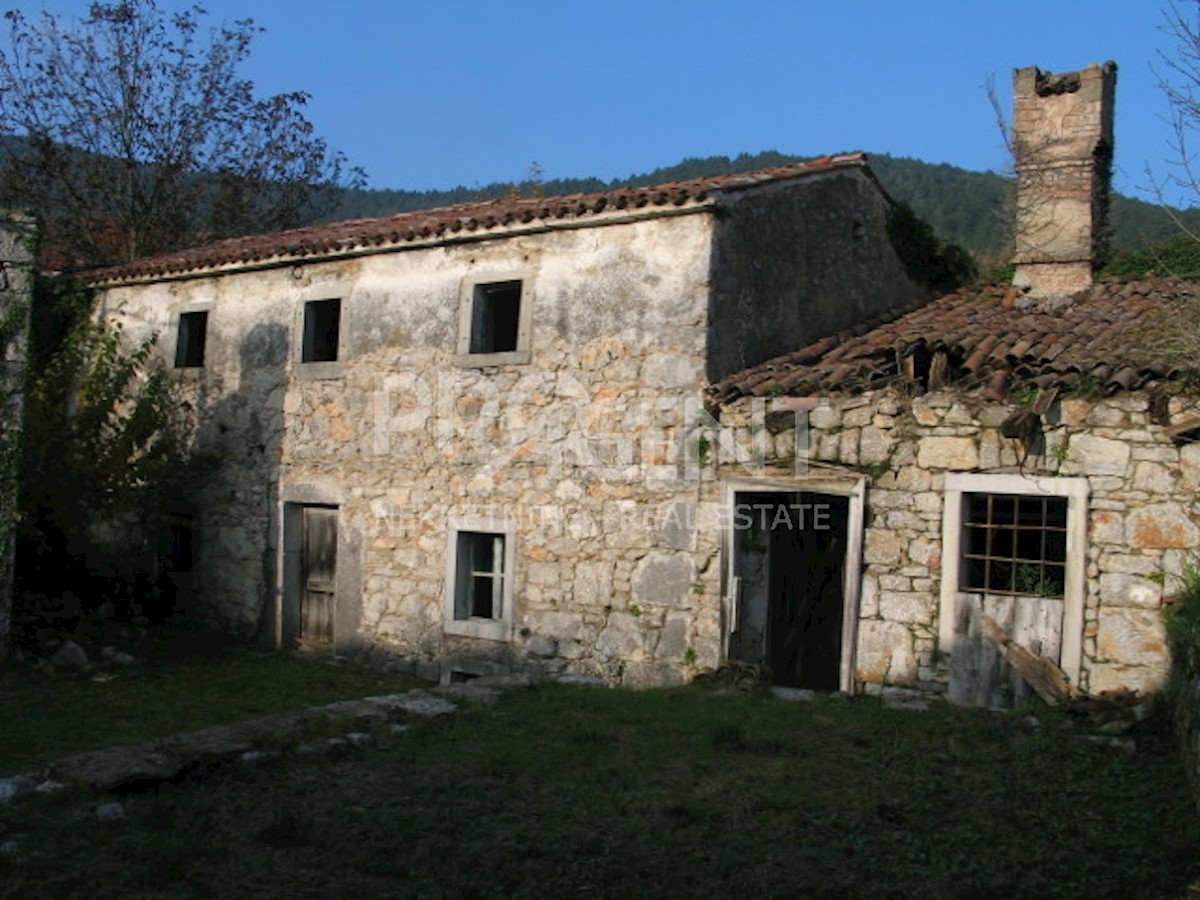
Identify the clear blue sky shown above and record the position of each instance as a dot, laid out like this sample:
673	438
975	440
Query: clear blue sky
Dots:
437	93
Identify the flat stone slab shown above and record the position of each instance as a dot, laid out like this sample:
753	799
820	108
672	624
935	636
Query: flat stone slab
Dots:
115	767
587	680
166	758
16	786
416	703
900	701
795	695
468	693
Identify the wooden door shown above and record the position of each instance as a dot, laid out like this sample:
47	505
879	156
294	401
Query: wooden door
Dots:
979	674
318	576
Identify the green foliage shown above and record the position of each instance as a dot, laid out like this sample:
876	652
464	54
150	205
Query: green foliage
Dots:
105	448
134	132
927	259
1038	581
1183	622
14	317
183	681
1178	256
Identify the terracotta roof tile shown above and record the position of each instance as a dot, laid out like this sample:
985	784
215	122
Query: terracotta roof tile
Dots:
444	223
1115	337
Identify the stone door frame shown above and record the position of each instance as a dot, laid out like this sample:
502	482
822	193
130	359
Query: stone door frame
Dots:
855	490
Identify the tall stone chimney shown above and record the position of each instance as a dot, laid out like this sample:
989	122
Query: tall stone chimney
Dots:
1063	142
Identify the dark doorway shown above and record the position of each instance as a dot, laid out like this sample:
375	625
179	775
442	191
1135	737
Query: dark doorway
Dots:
789	564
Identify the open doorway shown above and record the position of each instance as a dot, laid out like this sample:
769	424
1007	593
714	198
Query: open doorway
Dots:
793	564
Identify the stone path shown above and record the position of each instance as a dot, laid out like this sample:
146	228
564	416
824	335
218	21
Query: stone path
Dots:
164	759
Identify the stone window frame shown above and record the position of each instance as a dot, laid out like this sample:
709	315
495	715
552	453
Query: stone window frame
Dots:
324	369
172	351
499	627
523	354
1076	491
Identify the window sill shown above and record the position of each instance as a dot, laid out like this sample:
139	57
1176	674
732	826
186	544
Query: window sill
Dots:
482	360
316	371
485	629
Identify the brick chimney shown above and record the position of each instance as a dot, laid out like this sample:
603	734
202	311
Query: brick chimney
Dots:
1063	142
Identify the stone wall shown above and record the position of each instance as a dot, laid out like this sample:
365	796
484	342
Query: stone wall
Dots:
792	264
1141	515
586	445
586	449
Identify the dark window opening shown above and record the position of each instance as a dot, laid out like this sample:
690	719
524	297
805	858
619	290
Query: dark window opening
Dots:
479	588
1014	544
496	317
322	319
178	545
193	333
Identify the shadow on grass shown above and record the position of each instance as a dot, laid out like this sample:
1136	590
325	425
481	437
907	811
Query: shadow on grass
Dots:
181	682
567	791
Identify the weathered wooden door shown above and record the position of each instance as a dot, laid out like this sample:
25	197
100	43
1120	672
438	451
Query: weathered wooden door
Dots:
979	674
1013	550
318	576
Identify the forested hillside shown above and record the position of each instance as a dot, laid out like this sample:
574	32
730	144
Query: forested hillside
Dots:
971	209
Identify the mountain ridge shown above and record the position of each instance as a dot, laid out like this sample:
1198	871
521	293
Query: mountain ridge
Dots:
964	207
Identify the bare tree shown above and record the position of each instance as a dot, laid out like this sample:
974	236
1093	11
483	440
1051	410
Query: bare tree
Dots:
133	132
1178	76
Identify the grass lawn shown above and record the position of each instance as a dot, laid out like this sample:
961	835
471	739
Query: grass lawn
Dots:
179	688
565	791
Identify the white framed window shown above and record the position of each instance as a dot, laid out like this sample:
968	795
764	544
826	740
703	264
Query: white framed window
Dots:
1015	536
494	322
479	579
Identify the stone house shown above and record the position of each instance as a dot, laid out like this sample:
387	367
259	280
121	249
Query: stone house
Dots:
476	437
979	456
1013	458
575	434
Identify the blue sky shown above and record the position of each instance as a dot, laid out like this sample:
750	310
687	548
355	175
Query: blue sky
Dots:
437	93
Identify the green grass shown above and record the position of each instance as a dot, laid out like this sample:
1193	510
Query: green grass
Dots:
562	791
44	717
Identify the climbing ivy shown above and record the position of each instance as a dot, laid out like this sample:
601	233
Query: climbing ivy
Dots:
104	451
926	258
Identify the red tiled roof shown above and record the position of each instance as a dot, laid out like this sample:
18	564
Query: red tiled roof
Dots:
489	218
1115	337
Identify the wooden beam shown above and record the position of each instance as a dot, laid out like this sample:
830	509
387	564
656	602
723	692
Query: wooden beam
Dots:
1040	673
